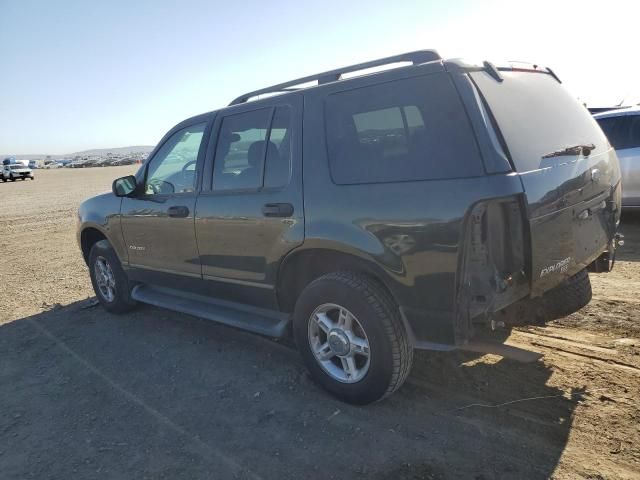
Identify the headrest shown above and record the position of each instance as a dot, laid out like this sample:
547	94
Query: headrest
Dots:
256	152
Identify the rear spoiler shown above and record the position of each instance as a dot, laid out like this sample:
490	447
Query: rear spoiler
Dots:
494	71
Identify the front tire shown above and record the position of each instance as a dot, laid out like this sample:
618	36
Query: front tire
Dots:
109	280
351	337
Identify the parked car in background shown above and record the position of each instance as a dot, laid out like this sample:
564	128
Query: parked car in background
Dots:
16	171
33	164
104	162
84	163
123	161
622	128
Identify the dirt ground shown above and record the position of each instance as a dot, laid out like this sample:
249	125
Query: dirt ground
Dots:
154	394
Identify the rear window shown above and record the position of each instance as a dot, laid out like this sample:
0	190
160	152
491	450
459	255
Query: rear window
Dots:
537	116
414	129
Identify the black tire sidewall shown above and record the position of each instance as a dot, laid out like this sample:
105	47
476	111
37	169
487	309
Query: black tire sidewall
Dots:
568	297
376	382
122	301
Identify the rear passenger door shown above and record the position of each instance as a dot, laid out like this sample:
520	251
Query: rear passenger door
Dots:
250	212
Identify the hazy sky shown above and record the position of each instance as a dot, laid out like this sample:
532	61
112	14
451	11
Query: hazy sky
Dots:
78	74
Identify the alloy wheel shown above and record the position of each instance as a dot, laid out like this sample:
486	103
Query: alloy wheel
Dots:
339	343
105	279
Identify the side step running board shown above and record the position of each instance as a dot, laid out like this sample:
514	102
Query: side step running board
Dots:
256	320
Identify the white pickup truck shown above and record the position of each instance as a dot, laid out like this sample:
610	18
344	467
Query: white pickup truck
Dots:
15	171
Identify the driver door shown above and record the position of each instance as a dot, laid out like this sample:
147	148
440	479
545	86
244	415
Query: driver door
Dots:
158	223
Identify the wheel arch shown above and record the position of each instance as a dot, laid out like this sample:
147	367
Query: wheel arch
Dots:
88	238
302	266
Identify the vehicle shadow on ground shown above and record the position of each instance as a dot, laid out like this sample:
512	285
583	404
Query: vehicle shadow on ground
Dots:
85	394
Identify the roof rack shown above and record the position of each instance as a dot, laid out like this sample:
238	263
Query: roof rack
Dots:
417	57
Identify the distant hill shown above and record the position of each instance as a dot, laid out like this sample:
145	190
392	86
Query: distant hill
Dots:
118	150
95	151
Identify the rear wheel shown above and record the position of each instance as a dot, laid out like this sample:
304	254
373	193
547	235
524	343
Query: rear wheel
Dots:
351	337
12	178
109	280
568	297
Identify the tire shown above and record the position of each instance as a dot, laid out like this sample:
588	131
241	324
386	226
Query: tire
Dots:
568	297
375	321
12	178
116	299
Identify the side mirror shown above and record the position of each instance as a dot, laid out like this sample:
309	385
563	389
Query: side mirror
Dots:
124	186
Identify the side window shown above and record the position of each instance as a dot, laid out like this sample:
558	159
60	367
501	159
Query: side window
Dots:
173	168
239	158
630	131
413	129
634	132
278	161
253	149
389	129
611	128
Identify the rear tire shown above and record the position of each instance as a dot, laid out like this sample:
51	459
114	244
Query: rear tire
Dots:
373	335
109	280
568	297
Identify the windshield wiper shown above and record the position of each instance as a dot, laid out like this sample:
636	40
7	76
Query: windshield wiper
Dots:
574	150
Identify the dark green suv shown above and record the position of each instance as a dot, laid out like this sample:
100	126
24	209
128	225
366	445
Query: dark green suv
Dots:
369	216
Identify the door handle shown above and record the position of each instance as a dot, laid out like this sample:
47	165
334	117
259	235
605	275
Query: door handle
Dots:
178	211
277	210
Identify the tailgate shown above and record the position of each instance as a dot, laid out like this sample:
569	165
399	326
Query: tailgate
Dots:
572	199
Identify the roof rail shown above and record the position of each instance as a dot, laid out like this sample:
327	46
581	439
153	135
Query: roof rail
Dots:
416	57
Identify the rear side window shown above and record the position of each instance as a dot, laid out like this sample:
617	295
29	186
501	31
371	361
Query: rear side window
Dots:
240	151
623	131
253	150
414	129
611	128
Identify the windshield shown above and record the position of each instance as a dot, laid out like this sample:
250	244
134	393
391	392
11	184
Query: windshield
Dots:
537	116
16	167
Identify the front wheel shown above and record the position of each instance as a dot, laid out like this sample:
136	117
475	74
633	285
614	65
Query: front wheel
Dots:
109	280
351	337
12	178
